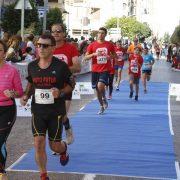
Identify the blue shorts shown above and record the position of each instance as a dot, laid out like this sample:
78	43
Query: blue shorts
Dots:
134	79
117	67
99	77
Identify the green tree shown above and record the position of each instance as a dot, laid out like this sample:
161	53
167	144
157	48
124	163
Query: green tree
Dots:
11	21
175	38
166	37
129	26
54	16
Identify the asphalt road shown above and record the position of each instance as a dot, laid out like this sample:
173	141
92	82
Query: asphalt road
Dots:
20	139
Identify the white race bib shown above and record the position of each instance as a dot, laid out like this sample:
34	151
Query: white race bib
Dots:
120	56
134	69
44	96
101	60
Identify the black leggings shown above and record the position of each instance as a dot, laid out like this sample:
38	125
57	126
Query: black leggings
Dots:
7	119
111	78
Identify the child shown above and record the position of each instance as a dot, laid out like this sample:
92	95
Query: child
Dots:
135	63
29	55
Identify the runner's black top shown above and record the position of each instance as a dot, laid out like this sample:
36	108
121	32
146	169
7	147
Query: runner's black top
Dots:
56	75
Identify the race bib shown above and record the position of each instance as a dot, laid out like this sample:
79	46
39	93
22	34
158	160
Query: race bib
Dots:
134	69
44	96
101	60
120	56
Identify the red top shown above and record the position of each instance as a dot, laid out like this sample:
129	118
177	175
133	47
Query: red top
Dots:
120	52
135	63
66	53
101	62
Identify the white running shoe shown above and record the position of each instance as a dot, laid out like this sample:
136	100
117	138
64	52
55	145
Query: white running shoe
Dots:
101	110
69	136
55	153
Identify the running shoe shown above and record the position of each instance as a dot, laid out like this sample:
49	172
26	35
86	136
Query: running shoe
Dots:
3	176
136	98
105	104
109	97
55	153
64	157
69	136
44	178
101	110
117	88
131	95
145	91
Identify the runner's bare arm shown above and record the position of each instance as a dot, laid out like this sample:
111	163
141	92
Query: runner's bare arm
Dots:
27	94
89	56
61	92
76	67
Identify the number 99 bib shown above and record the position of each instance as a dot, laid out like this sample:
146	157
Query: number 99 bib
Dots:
44	96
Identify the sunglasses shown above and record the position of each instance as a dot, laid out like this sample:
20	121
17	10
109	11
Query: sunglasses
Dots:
44	46
57	31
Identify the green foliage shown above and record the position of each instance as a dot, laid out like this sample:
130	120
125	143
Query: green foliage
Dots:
11	21
54	16
130	27
175	38
166	37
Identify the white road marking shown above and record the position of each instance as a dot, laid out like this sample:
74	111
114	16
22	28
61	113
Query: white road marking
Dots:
169	114
177	170
89	177
16	162
82	108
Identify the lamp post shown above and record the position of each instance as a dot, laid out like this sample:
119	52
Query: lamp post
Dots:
67	13
45	15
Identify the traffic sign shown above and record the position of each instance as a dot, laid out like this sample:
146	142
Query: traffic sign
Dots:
27	4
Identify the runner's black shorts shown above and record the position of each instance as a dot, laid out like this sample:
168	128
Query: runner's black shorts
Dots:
148	72
99	77
48	122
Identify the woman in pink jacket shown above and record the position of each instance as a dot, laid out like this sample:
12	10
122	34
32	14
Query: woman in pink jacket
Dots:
10	88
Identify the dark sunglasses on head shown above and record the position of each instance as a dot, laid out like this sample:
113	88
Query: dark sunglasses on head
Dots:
57	31
43	45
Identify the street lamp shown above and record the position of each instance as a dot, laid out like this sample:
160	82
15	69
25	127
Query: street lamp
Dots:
67	13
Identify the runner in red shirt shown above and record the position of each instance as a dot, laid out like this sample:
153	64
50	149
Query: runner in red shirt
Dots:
100	52
119	63
111	78
69	54
135	63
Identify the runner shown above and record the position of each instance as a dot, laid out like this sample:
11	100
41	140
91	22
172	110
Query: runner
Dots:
131	48
111	79
69	54
119	63
47	76
100	52
10	88
148	61
135	63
